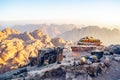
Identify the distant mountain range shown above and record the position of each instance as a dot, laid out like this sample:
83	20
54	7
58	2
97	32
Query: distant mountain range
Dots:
52	30
73	32
107	36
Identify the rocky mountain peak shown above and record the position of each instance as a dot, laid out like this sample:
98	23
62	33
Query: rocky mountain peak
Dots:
10	31
37	34
16	47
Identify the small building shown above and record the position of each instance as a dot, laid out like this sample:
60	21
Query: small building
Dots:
86	44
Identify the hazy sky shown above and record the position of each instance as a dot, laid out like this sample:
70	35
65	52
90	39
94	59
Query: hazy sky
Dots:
76	11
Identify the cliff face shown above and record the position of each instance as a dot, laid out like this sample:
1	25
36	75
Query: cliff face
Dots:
16	47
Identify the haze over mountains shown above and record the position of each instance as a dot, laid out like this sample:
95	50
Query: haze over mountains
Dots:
107	36
52	30
73	32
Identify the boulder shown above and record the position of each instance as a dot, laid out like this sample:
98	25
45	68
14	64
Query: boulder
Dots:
58	42
117	59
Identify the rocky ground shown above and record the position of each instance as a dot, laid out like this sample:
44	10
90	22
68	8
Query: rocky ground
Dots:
69	72
113	73
66	70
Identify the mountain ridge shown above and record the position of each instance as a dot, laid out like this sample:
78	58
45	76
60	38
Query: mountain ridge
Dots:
107	36
52	29
17	47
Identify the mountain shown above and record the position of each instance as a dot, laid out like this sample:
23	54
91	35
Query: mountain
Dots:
52	30
16	47
107	36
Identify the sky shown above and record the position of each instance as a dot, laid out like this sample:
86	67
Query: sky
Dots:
98	12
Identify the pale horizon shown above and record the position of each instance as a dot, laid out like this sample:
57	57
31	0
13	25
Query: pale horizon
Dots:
80	12
11	23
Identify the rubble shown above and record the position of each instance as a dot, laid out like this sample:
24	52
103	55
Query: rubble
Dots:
117	59
114	48
76	71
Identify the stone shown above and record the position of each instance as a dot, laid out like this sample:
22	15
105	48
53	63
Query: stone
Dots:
117	59
16	47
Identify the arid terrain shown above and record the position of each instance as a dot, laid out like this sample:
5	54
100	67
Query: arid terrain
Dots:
59	39
16	47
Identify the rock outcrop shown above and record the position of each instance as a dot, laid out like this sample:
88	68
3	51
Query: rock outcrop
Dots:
58	41
114	48
16	47
6	32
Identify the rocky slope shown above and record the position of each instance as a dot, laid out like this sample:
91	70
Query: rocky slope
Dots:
16	47
60	42
106	35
